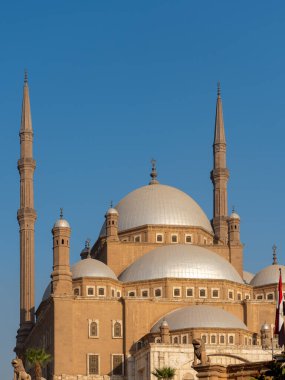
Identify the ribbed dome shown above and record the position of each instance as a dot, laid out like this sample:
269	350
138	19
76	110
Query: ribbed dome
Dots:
268	275
180	261
91	268
159	205
200	316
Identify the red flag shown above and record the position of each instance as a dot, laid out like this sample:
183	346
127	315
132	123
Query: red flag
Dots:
279	320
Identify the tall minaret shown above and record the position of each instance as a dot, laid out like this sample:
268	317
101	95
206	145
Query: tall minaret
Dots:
26	217
220	175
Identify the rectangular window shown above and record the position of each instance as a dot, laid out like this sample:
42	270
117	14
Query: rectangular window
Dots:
90	290
189	292
270	296
222	339
117	364
131	293
202	292
93	364
101	291
158	292
176	292
259	296
112	292
118	293
174	238
204	338
159	238
144	292
213	339
239	296
188	239
230	294
215	293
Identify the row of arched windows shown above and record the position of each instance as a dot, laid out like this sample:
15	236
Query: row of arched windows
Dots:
93	329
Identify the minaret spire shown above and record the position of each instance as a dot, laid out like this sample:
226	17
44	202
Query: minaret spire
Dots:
220	174
26	217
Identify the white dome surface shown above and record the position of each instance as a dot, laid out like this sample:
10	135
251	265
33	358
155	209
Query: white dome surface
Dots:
268	275
61	223
180	261
91	268
159	205
199	316
247	276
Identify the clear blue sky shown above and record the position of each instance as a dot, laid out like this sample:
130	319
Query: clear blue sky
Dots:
115	83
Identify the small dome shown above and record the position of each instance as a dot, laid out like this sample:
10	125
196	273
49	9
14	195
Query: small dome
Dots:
61	223
268	275
112	210
180	261
200	316
91	268
247	276
265	327
159	205
234	215
164	323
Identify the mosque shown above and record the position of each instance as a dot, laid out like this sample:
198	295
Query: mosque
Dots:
159	275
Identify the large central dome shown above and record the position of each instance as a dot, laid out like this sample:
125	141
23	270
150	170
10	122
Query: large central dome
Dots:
159	205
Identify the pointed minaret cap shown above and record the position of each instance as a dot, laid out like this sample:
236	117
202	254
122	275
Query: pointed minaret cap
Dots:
275	261
26	120
219	123
153	173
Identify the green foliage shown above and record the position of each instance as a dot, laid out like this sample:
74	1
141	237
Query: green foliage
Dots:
164	373
37	358
276	371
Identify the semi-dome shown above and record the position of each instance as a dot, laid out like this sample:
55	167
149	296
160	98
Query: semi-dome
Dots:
180	261
199	316
91	268
268	275
159	205
86	268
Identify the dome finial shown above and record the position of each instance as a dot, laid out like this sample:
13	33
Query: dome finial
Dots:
26	77
61	213
153	173
87	246
274	248
219	89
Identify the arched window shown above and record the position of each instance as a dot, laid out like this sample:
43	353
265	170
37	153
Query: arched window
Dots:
175	340
93	329
117	329
76	291
184	339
